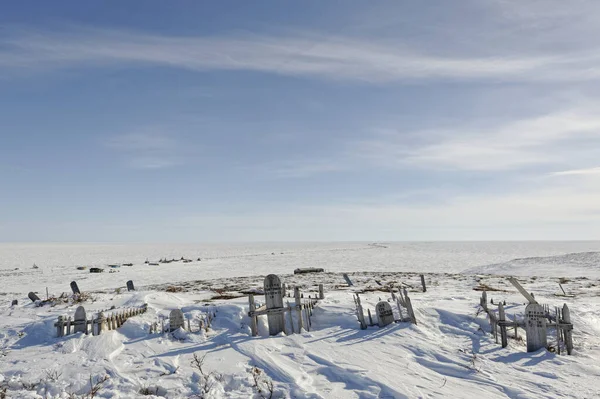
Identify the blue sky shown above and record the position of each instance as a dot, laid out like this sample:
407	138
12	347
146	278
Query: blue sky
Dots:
299	121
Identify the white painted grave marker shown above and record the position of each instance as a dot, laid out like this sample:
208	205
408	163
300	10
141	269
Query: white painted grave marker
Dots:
535	327
385	315
274	300
175	319
80	320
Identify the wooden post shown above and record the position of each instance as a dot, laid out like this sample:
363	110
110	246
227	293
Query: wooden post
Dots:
101	323
321	292
307	312
47	296
399	309
484	300
423	283
409	308
253	318
348	281
290	316
502	319
557	330
189	326
370	317
561	288
69	325
516	326
59	326
360	313
298	308
568	329
162	325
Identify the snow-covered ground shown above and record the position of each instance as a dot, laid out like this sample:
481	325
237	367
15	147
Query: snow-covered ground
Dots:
449	353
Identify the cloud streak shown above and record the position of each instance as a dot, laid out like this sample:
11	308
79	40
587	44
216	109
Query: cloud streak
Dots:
300	54
553	138
146	149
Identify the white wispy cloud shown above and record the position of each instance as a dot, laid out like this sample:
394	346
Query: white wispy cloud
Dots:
147	149
559	137
576	172
298	54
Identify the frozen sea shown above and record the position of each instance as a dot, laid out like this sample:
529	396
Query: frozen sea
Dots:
57	262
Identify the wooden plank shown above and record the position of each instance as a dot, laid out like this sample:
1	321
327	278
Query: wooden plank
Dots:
298	309
274	300
522	290
568	329
348	281
535	327
251	313
502	317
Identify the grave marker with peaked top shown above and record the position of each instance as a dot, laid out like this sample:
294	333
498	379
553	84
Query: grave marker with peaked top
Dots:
535	327
80	320
274	300
385	315
33	297
75	288
176	319
130	286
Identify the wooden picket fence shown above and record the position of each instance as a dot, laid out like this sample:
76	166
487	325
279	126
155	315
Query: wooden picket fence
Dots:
95	325
276	311
384	311
204	323
536	322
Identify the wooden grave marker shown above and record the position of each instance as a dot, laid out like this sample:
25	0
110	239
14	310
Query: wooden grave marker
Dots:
80	320
176	319
535	327
130	286
385	315
75	288
274	300
33	297
348	281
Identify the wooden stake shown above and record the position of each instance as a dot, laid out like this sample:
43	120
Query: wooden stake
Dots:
298	308
253	318
502	318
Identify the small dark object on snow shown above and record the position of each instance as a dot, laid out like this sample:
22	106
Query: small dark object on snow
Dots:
309	270
14	302
96	270
127	264
130	286
75	288
199	259
33	297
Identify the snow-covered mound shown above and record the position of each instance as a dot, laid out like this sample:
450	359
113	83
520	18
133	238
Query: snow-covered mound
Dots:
581	264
